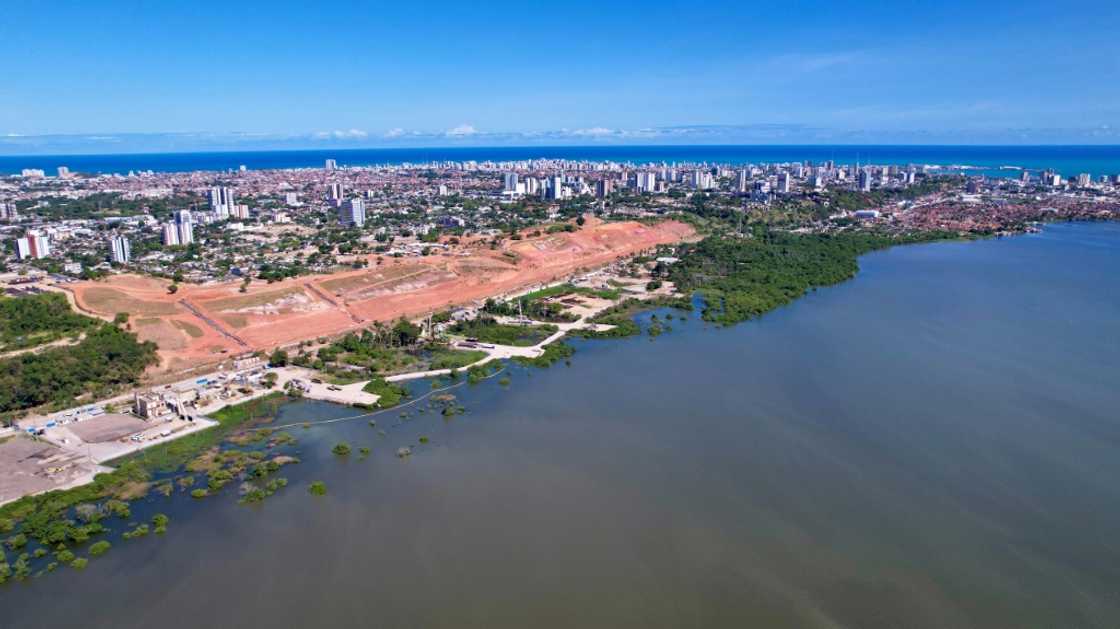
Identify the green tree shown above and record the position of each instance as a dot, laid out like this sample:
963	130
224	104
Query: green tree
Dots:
279	358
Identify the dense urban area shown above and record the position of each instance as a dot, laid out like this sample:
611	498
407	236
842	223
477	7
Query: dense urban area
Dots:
149	317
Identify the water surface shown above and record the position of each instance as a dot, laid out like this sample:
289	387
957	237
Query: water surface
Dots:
1067	160
933	444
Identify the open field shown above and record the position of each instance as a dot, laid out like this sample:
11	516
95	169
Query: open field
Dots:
110	300
31	467
108	428
207	324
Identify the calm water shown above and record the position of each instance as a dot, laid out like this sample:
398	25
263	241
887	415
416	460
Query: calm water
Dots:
933	444
1068	160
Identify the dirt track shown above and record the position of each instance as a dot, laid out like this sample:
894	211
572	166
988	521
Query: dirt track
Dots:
220	318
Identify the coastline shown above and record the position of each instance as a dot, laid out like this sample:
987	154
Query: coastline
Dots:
127	473
993	159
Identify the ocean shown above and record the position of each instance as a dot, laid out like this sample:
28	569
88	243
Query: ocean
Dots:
1068	160
932	444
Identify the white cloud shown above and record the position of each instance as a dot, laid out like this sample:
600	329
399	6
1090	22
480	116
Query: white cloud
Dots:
346	134
595	132
461	131
395	132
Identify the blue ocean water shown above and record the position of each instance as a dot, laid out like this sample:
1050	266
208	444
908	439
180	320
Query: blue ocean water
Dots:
1068	160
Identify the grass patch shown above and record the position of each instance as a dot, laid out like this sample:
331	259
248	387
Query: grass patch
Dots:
488	330
453	358
389	394
553	352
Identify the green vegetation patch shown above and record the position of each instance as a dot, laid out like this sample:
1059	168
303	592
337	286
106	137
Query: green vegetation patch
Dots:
541	305
106	360
742	278
36	319
453	358
553	352
390	394
487	330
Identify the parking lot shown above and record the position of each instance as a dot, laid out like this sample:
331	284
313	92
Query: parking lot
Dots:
108	428
32	467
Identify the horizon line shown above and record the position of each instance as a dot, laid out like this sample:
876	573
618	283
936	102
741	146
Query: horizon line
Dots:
351	149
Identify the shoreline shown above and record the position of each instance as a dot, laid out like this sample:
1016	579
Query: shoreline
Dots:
252	427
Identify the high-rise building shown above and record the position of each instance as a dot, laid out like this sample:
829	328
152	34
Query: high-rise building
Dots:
222	202
865	180
291	198
8	212
184	226
702	180
63	172
742	182
34	245
603	188
784	182
334	193
555	187
119	250
330	164
353	212
170	234
510	181
1083	180
646	182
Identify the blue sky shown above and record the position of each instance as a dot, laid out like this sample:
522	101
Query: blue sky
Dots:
133	75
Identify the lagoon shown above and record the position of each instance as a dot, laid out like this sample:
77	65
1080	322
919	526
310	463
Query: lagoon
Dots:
934	443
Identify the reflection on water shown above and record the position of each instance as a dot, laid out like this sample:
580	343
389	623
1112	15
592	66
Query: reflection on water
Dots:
934	444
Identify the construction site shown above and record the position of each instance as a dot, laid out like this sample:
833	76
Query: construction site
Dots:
199	325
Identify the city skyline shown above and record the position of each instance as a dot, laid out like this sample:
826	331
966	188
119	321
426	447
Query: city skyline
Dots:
114	79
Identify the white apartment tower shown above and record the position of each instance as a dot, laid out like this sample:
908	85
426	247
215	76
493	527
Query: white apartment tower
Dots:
184	226
34	245
353	212
784	183
222	202
119	250
170	234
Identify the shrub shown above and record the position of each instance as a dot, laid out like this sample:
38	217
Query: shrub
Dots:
99	548
317	488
